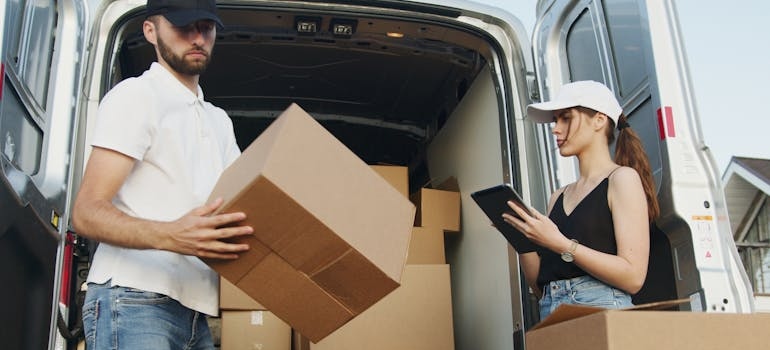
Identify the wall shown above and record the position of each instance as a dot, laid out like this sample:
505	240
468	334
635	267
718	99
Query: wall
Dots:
469	148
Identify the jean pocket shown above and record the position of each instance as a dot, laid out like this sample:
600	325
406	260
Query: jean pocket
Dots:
138	296
594	294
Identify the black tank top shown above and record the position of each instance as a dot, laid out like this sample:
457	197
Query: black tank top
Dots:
590	223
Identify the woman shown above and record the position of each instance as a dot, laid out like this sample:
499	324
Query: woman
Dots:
593	247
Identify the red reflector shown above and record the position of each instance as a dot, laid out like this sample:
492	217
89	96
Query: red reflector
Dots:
66	279
666	122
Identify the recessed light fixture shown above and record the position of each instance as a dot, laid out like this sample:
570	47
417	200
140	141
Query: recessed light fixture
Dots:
343	27
307	25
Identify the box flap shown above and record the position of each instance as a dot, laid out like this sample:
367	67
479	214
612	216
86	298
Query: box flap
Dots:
566	312
449	184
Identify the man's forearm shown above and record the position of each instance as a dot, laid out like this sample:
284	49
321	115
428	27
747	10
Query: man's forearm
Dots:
101	221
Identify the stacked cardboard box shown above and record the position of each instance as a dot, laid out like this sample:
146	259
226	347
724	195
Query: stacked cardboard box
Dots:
246	324
232	298
321	252
437	208
396	176
417	315
254	329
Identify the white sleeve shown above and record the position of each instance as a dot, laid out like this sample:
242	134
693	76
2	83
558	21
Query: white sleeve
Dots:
125	120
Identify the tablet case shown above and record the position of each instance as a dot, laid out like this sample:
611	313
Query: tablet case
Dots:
494	202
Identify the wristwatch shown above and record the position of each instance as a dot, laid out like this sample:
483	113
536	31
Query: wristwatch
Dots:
569	255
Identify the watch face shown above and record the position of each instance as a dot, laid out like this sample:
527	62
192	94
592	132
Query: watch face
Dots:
569	256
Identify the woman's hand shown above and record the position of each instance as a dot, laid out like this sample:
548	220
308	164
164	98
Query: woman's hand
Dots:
537	227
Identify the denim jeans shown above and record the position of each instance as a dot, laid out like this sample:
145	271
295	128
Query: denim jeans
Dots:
125	318
583	290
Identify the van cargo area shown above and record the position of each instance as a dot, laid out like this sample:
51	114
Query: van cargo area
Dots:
384	90
395	90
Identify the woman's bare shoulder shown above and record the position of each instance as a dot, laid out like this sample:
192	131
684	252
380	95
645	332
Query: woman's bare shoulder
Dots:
623	176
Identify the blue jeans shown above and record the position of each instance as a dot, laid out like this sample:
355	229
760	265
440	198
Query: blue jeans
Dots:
583	290
126	318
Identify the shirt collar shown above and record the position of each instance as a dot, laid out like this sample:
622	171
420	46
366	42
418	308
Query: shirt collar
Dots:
160	71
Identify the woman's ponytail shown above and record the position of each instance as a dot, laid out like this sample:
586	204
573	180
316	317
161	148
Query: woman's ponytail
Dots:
629	152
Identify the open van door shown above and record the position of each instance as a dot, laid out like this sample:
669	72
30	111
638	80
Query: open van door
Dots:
41	52
634	47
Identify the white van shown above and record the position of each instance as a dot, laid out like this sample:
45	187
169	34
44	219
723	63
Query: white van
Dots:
440	88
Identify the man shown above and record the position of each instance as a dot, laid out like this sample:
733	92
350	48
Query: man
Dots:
158	149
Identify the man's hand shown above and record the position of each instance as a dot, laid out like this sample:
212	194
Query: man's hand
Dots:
201	234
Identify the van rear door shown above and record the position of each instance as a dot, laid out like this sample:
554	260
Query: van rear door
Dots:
40	57
635	48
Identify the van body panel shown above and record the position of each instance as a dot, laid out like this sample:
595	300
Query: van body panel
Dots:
42	53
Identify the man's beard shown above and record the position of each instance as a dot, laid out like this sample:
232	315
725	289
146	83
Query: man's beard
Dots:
179	64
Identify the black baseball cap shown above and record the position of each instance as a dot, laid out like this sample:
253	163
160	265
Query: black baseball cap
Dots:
183	12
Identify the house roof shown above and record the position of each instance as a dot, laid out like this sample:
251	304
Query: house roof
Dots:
746	182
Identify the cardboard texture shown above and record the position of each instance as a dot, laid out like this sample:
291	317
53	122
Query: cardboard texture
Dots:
397	176
418	316
601	329
330	235
437	208
427	246
254	330
232	298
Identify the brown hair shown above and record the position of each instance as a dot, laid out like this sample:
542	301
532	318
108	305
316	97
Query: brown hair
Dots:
630	152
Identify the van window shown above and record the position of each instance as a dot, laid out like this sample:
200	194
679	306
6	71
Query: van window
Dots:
584	50
13	20
28	52
625	27
36	50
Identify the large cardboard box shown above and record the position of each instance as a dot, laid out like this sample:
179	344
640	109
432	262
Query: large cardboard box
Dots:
330	235
588	328
417	316
437	208
427	246
397	176
257	329
232	298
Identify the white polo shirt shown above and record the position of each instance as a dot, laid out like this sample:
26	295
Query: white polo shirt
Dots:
181	145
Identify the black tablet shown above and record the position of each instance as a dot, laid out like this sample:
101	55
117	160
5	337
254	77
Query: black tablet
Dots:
494	202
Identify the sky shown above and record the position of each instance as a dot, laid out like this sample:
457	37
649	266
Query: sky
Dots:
728	55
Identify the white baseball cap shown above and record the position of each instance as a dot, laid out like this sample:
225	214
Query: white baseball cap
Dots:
587	93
